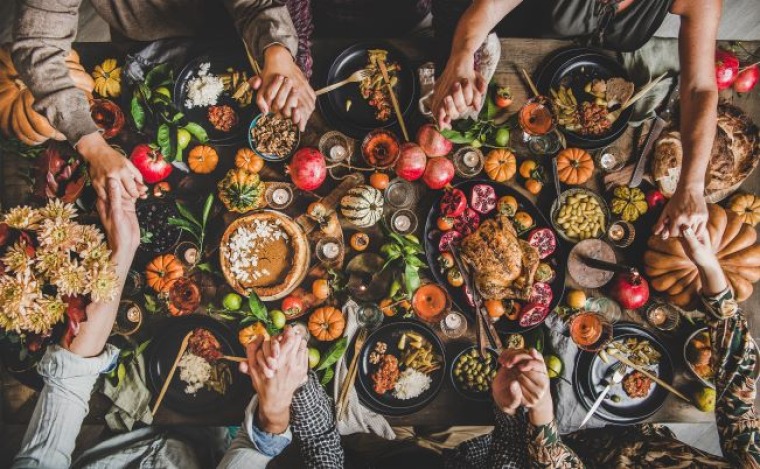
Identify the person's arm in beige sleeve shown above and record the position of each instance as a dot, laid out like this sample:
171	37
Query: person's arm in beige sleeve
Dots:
43	33
267	29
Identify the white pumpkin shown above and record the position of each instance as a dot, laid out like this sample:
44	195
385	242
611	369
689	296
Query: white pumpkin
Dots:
362	206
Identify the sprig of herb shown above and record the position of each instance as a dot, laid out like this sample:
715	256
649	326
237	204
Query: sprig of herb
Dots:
483	130
402	254
331	356
194	225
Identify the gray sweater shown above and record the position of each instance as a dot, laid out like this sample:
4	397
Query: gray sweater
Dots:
44	30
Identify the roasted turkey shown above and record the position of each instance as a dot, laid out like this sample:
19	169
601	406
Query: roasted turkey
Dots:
503	266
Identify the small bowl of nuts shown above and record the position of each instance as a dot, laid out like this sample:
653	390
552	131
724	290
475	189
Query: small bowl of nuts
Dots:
273	137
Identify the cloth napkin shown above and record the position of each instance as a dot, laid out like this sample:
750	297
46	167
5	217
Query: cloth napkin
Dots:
131	398
658	56
568	410
358	419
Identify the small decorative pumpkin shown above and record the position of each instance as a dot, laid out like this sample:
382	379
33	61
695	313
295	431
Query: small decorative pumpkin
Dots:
326	323
500	165
734	243
162	272
241	191
362	206
17	117
247	159
202	159
629	202
747	206
247	334
574	166
107	78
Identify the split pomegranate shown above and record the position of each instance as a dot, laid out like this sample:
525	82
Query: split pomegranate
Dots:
453	203
448	239
544	240
307	169
533	314
151	163
541	294
438	173
483	198
411	162
631	290
467	222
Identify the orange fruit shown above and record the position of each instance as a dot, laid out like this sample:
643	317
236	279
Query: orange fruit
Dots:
507	205
514	311
445	223
249	333
533	186
523	221
320	288
386	308
379	180
446	260
359	241
454	277
495	308
161	189
527	167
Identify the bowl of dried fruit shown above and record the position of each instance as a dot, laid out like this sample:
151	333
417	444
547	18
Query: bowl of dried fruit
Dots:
273	137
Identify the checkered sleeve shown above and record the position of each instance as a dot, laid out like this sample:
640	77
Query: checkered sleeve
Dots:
504	448
313	425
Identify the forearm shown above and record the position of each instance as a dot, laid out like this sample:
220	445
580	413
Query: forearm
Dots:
262	23
95	330
43	33
698	123
476	22
314	426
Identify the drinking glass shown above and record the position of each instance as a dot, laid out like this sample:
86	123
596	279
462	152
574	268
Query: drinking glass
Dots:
454	325
590	331
400	194
430	302
369	315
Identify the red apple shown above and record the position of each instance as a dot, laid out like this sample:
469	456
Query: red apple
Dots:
308	169
438	173
433	143
151	163
411	162
747	79
726	68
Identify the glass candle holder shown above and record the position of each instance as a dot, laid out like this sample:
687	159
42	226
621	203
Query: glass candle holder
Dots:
279	196
468	162
404	222
329	250
336	146
400	194
621	233
129	318
454	325
188	253
610	159
663	316
369	315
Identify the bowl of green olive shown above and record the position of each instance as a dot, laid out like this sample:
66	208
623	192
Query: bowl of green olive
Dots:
472	374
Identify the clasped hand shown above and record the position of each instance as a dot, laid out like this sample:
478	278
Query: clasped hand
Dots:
522	380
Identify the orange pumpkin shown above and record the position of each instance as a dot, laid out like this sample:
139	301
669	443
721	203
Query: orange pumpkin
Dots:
246	159
574	166
326	323
162	272
247	334
202	159
500	165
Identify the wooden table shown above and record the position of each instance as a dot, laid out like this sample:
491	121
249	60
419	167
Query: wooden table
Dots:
448	408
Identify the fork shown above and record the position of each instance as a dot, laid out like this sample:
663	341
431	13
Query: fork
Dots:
355	77
351	376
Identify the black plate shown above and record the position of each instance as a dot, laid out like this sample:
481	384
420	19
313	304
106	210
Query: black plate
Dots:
360	118
556	260
163	350
574	68
590	370
219	65
390	334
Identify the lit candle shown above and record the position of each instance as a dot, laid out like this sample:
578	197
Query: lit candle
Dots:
658	316
330	250
133	314
616	232
402	222
281	196
470	159
338	153
608	160
453	321
190	255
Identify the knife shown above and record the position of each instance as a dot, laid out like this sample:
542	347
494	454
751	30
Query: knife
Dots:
661	120
614	376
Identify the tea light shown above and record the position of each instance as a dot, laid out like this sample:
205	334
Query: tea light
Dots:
330	250
453	321
657	316
134	314
402	222
616	232
190	255
621	233
609	159
281	196
470	159
338	153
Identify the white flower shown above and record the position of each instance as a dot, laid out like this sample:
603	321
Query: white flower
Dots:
22	218
58	210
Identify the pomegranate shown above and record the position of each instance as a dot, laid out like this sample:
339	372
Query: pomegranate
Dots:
411	162
655	198
438	173
433	143
467	222
544	240
533	314
448	239
151	163
631	290
307	169
747	79
726	68
453	203
541	294
483	198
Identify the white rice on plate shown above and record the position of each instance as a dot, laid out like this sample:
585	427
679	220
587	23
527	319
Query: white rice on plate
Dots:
204	89
411	383
195	371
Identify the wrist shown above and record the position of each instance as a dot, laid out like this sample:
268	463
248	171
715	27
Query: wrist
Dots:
277	52
91	145
273	419
542	413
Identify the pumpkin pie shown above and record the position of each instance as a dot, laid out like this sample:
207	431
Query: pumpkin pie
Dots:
266	252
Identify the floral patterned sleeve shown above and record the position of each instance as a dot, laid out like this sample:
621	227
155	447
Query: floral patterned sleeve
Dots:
735	357
545	448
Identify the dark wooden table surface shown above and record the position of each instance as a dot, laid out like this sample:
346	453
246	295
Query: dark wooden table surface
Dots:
448	408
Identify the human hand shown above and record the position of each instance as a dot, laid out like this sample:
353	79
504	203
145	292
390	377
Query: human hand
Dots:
687	208
698	250
106	163
531	374
119	219
282	87
458	90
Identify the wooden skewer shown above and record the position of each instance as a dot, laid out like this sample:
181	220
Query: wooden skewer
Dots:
532	85
234	359
394	101
649	375
643	91
182	348
254	64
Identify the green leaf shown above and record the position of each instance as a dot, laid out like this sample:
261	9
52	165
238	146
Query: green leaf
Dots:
164	140
207	209
415	262
174	221
490	107
327	377
411	278
177	117
205	267
197	131
138	113
187	214
258	309
141	348
160	75
151	305
333	354
458	138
